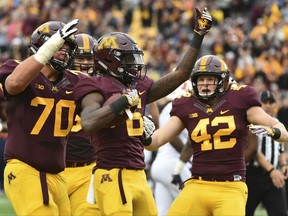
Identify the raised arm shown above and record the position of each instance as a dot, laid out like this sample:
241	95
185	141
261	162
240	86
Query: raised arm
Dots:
27	70
168	83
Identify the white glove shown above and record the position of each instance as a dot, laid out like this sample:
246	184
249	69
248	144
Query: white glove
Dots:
132	98
149	127
69	29
261	130
55	42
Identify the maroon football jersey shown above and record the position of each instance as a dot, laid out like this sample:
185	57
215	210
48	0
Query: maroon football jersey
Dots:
39	119
219	133
119	146
2	97
79	147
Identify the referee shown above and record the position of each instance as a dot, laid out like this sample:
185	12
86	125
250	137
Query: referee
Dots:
266	174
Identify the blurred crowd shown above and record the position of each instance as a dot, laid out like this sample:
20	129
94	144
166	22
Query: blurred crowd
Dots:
250	35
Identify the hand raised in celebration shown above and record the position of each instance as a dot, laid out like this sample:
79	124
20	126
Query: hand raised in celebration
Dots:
203	22
69	29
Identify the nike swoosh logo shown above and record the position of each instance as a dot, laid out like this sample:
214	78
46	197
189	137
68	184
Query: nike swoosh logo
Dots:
69	92
223	112
140	93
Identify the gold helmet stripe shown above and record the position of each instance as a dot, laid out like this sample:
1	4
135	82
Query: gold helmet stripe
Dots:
223	65
86	45
203	63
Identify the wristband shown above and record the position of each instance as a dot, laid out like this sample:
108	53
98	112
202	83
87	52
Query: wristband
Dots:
179	167
1	127
277	133
48	49
119	105
196	41
269	172
146	142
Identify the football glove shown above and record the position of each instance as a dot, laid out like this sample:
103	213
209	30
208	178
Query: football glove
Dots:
69	29
176	180
203	22
149	127
55	42
132	98
262	130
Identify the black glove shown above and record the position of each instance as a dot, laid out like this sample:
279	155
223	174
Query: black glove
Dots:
203	22
176	180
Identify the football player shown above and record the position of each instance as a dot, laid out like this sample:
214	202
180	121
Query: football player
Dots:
119	173
217	119
80	157
40	113
84	55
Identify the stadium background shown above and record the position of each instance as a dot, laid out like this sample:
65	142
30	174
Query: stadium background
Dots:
250	35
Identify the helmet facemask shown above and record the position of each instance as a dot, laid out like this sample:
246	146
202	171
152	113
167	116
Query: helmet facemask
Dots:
218	83
84	63
133	66
210	65
84	55
63	58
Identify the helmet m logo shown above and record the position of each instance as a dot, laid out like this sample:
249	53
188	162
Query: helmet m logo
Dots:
108	42
106	177
44	28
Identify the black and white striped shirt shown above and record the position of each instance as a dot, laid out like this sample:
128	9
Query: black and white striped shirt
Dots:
271	149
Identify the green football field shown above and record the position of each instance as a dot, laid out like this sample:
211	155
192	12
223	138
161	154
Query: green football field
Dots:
7	210
5	207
